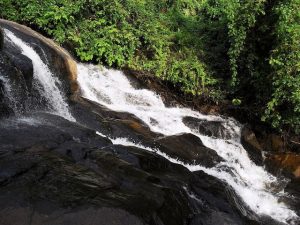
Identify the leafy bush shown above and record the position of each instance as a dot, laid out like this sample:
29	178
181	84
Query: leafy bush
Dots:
283	109
123	33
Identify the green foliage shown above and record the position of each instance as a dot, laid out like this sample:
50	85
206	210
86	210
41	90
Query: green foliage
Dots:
283	109
236	101
249	49
239	17
147	35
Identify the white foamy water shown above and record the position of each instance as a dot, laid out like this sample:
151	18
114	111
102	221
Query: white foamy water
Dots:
49	84
252	183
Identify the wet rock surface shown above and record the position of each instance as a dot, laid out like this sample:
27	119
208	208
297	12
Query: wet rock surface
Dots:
60	165
208	128
194	152
250	143
1	38
16	69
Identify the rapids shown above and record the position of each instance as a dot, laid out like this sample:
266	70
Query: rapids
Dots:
252	183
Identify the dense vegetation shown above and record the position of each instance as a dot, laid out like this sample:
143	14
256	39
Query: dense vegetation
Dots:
247	51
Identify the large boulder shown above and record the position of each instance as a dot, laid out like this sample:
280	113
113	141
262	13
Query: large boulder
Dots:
208	128
60	60
53	171
189	149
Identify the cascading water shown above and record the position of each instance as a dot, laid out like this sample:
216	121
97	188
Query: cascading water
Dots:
48	84
8	92
252	183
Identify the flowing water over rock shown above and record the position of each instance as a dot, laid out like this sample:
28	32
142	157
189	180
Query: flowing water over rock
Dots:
117	154
257	188
47	84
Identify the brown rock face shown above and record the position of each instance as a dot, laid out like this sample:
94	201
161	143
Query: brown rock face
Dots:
289	162
62	64
277	143
250	143
72	68
272	143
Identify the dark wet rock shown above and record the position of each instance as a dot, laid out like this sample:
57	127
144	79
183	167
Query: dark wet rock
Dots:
50	166
212	218
1	39
24	65
64	163
190	149
16	73
113	124
293	189
212	191
207	128
5	110
88	216
250	143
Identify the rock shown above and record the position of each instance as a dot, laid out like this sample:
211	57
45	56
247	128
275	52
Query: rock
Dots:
194	152
16	73
53	171
222	196
20	215
293	189
5	110
287	165
113	124
1	39
277	143
272	143
207	128
250	143
294	144
24	65
288	162
61	62
72	72
58	162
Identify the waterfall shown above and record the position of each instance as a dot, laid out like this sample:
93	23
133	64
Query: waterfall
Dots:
47	84
252	183
8	92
